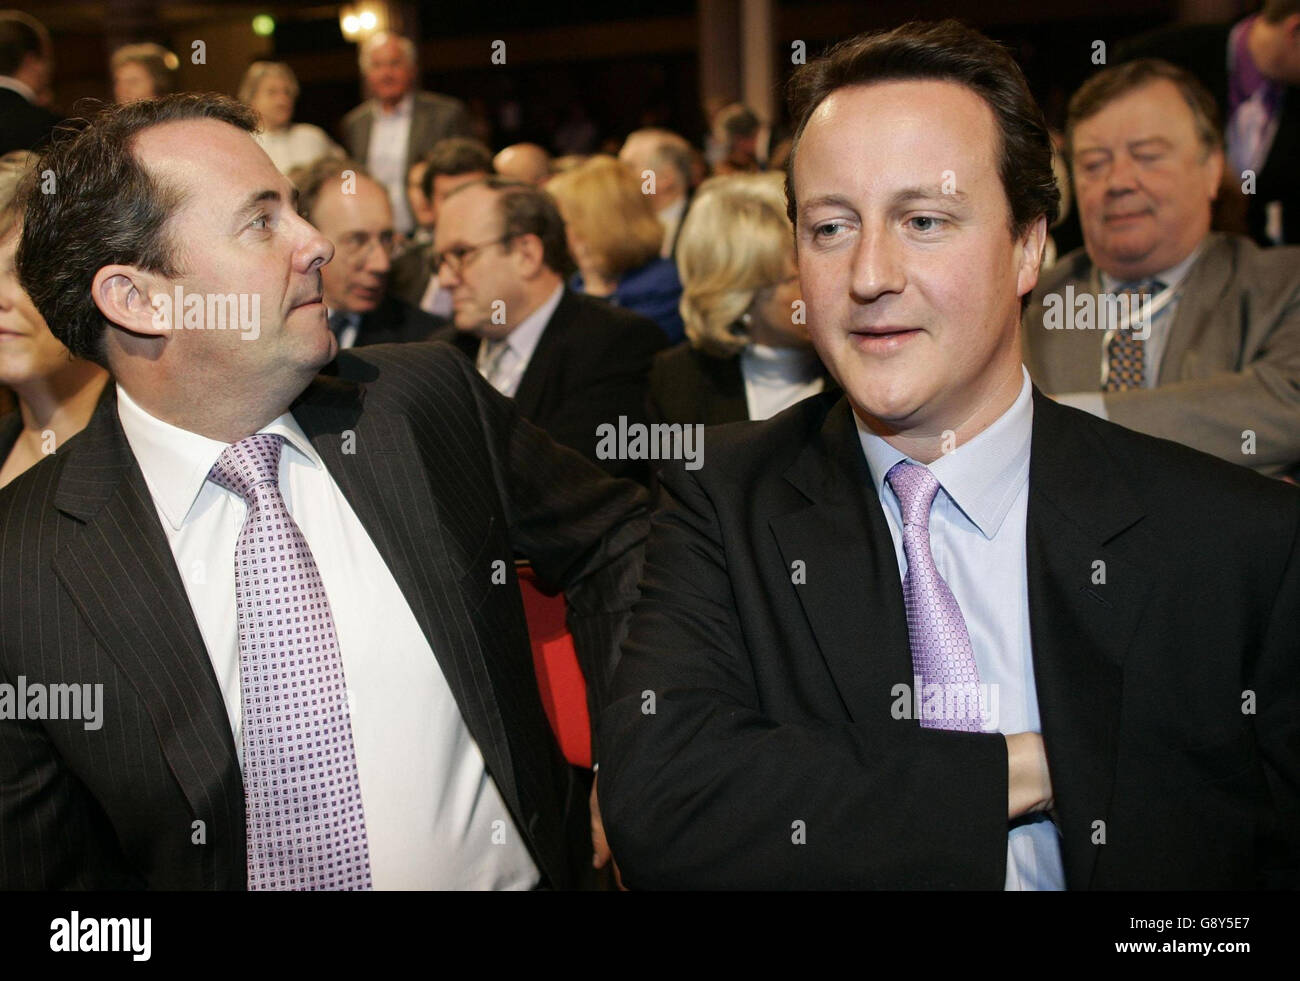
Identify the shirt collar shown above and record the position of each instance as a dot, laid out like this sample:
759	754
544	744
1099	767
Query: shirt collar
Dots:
22	88
982	477
399	111
528	332
1171	277
176	462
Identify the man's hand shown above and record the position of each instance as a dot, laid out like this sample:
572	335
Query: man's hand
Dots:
1029	785
600	845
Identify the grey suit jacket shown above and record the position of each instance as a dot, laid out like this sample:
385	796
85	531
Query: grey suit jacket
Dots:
1231	365
433	118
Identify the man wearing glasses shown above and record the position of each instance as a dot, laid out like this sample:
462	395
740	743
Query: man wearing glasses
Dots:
571	362
352	210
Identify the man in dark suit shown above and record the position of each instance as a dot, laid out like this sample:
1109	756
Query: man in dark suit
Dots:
1252	68
572	363
397	124
1096	629
26	61
452	163
234	544
667	156
351	209
1209	352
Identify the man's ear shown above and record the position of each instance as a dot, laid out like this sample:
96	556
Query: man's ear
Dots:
134	300
1030	255
531	255
1215	166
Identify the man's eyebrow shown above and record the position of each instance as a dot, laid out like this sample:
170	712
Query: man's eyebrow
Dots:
926	193
1134	144
258	198
836	200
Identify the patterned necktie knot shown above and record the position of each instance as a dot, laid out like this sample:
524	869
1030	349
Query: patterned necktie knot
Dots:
916	487
252	461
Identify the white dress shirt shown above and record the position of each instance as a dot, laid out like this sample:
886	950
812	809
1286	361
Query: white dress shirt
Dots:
434	817
1156	342
977	537
778	377
296	145
503	363
390	138
671	220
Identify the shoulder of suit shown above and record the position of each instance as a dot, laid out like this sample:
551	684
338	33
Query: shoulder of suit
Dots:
412	374
1172	477
437	99
746	453
592	310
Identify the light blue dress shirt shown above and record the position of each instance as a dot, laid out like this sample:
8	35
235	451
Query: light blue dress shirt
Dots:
977	536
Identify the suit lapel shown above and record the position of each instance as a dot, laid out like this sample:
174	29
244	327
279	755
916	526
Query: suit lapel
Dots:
421	132
120	572
541	372
725	399
1201	327
361	131
381	471
1082	617
853	597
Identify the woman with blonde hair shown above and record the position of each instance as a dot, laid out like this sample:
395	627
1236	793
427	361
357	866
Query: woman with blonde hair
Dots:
142	71
56	393
614	238
270	88
748	353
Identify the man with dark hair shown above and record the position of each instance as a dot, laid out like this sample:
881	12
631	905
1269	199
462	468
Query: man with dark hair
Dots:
1252	69
1208	350
26	61
290	600
571	362
451	163
351	209
938	631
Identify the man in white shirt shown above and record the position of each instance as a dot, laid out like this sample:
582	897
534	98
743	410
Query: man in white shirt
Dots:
668	157
398	124
1205	347
351	538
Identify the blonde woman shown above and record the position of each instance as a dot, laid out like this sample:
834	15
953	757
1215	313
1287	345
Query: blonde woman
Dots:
56	393
614	237
142	71
270	88
748	354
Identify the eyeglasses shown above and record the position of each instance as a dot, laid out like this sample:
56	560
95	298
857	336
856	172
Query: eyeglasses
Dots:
458	255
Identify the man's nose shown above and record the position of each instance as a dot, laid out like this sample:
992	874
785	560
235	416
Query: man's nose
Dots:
876	268
316	250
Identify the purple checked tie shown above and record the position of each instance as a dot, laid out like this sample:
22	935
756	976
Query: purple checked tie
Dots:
306	826
936	629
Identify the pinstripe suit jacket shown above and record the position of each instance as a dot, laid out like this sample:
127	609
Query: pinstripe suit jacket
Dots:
447	479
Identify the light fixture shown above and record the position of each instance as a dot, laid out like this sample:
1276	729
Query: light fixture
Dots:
358	21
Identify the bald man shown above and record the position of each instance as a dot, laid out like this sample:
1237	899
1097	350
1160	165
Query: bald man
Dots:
526	162
352	210
668	157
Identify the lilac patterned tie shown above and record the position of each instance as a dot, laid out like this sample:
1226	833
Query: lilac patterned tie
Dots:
936	629
306	825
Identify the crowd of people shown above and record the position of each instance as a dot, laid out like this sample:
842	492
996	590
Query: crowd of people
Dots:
873	296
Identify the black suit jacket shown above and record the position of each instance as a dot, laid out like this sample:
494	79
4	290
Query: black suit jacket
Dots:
395	321
1203	50
746	702
446	478
11	424
590	366
23	126
690	386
